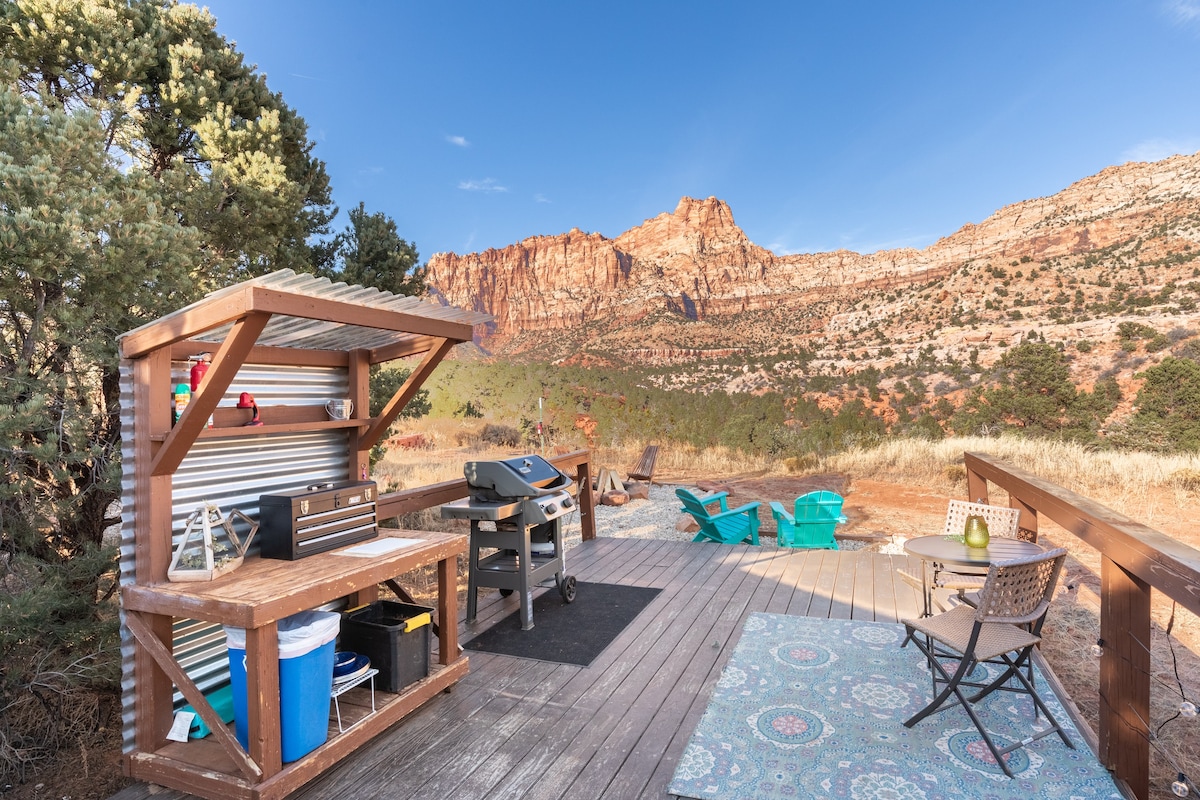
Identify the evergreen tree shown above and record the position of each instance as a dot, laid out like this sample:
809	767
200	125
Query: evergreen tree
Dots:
143	164
373	254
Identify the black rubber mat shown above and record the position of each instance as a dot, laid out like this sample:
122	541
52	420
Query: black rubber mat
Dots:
567	633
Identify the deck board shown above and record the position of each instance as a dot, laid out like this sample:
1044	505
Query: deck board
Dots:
518	728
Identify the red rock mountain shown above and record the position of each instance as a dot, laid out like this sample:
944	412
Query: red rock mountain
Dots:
689	283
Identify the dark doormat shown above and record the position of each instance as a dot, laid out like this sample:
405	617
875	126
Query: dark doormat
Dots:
567	633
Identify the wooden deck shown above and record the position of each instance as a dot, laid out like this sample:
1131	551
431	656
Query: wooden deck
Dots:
516	728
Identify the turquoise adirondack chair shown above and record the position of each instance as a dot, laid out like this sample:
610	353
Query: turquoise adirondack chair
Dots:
724	525
816	515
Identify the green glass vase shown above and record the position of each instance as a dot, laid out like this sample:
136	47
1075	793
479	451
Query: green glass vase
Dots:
975	532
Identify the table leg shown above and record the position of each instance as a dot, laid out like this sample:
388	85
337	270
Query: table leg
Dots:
448	648
262	697
926	590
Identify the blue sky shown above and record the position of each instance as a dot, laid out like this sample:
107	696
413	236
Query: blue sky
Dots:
857	125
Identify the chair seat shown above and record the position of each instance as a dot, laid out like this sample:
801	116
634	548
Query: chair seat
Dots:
953	628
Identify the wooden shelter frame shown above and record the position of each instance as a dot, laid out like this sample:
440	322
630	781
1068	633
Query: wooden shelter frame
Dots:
254	597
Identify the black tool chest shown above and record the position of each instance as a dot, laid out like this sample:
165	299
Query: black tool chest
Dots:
316	518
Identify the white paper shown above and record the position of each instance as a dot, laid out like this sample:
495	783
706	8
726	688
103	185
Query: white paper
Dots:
181	726
377	547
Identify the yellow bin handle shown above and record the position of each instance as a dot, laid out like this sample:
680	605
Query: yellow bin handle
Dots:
412	623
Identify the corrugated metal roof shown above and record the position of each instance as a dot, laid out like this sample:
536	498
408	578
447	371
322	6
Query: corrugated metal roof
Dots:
316	334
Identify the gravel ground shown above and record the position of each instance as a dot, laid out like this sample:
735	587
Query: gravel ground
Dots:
655	519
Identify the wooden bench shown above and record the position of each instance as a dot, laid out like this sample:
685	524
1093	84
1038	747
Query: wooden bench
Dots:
644	471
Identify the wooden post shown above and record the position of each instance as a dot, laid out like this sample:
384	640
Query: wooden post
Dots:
1125	676
1028	524
977	488
152	538
587	505
447	577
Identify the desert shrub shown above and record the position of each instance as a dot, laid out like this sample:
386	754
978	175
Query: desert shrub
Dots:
1186	479
500	435
955	474
802	463
61	657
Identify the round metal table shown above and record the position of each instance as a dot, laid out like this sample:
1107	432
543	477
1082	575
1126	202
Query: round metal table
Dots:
948	551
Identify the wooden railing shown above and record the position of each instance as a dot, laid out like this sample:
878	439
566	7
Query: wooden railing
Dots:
577	464
1134	560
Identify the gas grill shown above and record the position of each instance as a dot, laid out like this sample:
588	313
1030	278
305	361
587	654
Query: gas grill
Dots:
525	498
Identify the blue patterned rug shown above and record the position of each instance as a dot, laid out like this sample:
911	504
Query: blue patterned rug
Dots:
810	708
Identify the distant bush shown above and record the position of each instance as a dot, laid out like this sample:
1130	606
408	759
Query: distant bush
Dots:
955	474
802	463
500	435
1186	479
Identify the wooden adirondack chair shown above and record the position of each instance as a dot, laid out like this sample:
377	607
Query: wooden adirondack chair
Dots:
816	516
723	525
644	470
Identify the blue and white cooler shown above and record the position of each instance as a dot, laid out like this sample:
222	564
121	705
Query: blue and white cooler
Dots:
306	646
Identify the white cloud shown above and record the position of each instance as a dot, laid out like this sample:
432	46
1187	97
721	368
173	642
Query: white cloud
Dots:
1158	149
487	185
459	141
1184	12
540	198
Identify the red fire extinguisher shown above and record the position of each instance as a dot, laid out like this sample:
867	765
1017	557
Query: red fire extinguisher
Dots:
199	369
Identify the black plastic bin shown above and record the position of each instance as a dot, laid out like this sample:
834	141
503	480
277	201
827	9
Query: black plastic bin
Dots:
395	636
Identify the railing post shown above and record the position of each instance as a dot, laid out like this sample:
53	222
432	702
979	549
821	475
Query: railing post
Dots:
1125	676
977	487
587	504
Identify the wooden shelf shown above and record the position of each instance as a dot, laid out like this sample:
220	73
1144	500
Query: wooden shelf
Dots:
259	430
202	767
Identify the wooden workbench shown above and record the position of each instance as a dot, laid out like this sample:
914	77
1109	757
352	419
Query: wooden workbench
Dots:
255	597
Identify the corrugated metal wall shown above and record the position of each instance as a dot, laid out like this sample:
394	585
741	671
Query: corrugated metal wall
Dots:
231	472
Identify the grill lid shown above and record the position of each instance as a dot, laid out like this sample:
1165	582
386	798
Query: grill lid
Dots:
524	476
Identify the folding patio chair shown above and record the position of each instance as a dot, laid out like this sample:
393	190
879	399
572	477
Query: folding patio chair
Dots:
1003	629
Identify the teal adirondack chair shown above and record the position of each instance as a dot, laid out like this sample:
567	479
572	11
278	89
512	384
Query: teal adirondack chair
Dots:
816	515
724	525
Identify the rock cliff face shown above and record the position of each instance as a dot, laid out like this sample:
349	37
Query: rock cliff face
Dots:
695	265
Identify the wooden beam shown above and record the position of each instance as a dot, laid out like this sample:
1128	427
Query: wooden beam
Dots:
186	323
260	354
275	301
1167	564
146	639
1125	676
410	347
151	511
225	365
360	394
262	697
416	378
395	504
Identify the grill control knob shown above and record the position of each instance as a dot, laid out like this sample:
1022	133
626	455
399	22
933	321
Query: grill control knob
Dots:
551	508
567	502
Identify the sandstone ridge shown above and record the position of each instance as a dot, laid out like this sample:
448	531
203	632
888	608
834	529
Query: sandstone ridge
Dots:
675	284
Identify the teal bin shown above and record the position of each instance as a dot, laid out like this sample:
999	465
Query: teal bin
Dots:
306	645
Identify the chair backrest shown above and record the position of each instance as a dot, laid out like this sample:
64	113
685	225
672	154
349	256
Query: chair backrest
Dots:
1001	520
819	507
1019	591
691	503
